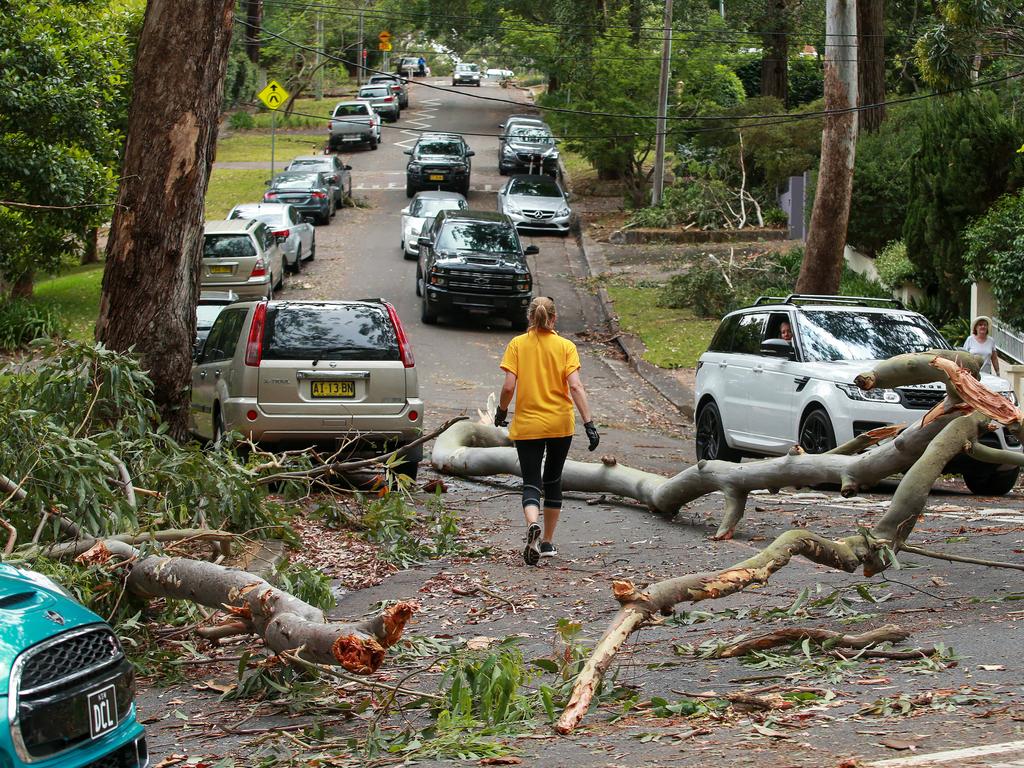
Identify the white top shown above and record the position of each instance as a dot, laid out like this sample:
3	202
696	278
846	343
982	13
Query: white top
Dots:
984	348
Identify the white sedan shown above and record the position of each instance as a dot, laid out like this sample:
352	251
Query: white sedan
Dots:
293	231
423	208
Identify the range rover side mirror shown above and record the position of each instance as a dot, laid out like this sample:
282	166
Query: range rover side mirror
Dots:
531	250
778	348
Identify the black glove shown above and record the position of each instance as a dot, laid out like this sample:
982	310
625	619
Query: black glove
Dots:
592	435
500	417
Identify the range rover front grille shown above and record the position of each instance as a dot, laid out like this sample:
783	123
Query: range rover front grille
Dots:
921	399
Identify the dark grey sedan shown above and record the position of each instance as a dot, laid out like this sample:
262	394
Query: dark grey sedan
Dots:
310	192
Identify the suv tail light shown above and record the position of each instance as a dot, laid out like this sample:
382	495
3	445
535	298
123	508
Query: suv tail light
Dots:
254	345
330	125
283	232
404	349
269	195
319	195
260	268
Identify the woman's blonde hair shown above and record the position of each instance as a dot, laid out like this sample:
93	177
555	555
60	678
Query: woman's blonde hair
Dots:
541	313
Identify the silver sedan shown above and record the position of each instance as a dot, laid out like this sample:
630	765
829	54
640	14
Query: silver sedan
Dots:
536	202
293	231
416	217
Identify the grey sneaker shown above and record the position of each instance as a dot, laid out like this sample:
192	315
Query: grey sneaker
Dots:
531	553
548	549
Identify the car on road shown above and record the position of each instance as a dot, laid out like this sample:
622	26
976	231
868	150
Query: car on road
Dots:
536	202
339	375
758	394
527	147
211	304
512	120
353	122
466	74
439	161
420	212
308	191
410	65
294	232
241	255
398	85
499	74
66	686
338	174
473	262
383	100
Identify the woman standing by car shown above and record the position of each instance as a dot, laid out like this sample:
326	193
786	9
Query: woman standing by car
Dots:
542	371
980	343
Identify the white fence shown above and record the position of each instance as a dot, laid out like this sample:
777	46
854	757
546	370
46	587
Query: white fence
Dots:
1009	341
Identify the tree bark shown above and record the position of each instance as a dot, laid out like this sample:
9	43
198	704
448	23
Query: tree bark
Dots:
90	246
775	57
823	257
151	279
254	23
24	285
871	62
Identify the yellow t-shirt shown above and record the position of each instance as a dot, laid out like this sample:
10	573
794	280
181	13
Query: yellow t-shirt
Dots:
541	361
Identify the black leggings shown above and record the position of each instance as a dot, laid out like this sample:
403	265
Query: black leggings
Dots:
531	452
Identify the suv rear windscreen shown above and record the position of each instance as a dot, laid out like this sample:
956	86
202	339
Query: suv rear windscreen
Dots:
228	247
374	93
846	335
329	332
349	110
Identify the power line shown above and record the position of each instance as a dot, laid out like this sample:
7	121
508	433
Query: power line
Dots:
699	118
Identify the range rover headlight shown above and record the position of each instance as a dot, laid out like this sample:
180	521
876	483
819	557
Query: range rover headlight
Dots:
870	395
1010	395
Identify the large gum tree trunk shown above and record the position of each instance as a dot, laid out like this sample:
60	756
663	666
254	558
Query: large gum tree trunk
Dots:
871	62
823	257
151	279
775	58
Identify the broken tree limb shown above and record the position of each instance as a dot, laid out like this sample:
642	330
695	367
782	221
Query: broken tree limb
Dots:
960	558
890	633
640	607
283	621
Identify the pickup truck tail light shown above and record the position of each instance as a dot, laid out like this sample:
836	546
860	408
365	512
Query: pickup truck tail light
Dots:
254	345
282	232
404	349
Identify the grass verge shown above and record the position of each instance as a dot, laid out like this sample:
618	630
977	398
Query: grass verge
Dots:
308	113
76	296
674	337
254	146
231	186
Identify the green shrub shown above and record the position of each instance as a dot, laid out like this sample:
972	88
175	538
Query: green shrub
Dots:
969	160
241	121
775	217
239	80
894	268
995	252
702	289
22	321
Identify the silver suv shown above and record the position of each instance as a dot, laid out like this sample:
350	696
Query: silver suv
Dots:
333	374
244	256
758	393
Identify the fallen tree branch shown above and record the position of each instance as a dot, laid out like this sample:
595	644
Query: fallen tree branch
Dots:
125	481
890	633
960	558
296	658
10	487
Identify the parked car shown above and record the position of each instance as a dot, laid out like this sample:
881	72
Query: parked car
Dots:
439	161
527	147
242	255
67	689
410	65
382	99
511	120
474	262
332	374
338	174
398	85
499	74
353	122
418	214
309	191
210	305
294	232
758	394
536	202
466	74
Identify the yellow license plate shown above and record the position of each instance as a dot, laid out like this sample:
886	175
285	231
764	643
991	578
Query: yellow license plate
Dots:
436	177
220	269
334	389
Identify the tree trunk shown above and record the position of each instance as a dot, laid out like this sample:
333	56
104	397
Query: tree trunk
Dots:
823	258
23	285
254	24
775	58
90	246
871	62
151	279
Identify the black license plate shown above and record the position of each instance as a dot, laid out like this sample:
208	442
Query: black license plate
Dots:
102	711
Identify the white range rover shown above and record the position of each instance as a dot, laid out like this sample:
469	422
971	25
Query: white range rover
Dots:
757	394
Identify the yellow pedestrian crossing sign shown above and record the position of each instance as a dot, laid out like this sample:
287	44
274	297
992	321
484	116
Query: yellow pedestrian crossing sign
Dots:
382	46
274	95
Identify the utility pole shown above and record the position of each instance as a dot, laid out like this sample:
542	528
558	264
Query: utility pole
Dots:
319	54
362	52
659	140
826	240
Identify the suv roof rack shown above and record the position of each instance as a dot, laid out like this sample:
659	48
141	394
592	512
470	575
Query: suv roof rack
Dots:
813	298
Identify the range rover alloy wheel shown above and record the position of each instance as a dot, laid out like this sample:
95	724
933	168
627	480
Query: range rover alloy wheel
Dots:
816	433
710	436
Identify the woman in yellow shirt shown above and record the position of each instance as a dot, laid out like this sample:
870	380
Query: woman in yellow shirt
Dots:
542	371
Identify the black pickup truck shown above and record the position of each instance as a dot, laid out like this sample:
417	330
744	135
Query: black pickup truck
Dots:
473	263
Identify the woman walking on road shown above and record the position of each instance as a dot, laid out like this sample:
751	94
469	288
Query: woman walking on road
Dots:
980	343
542	371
